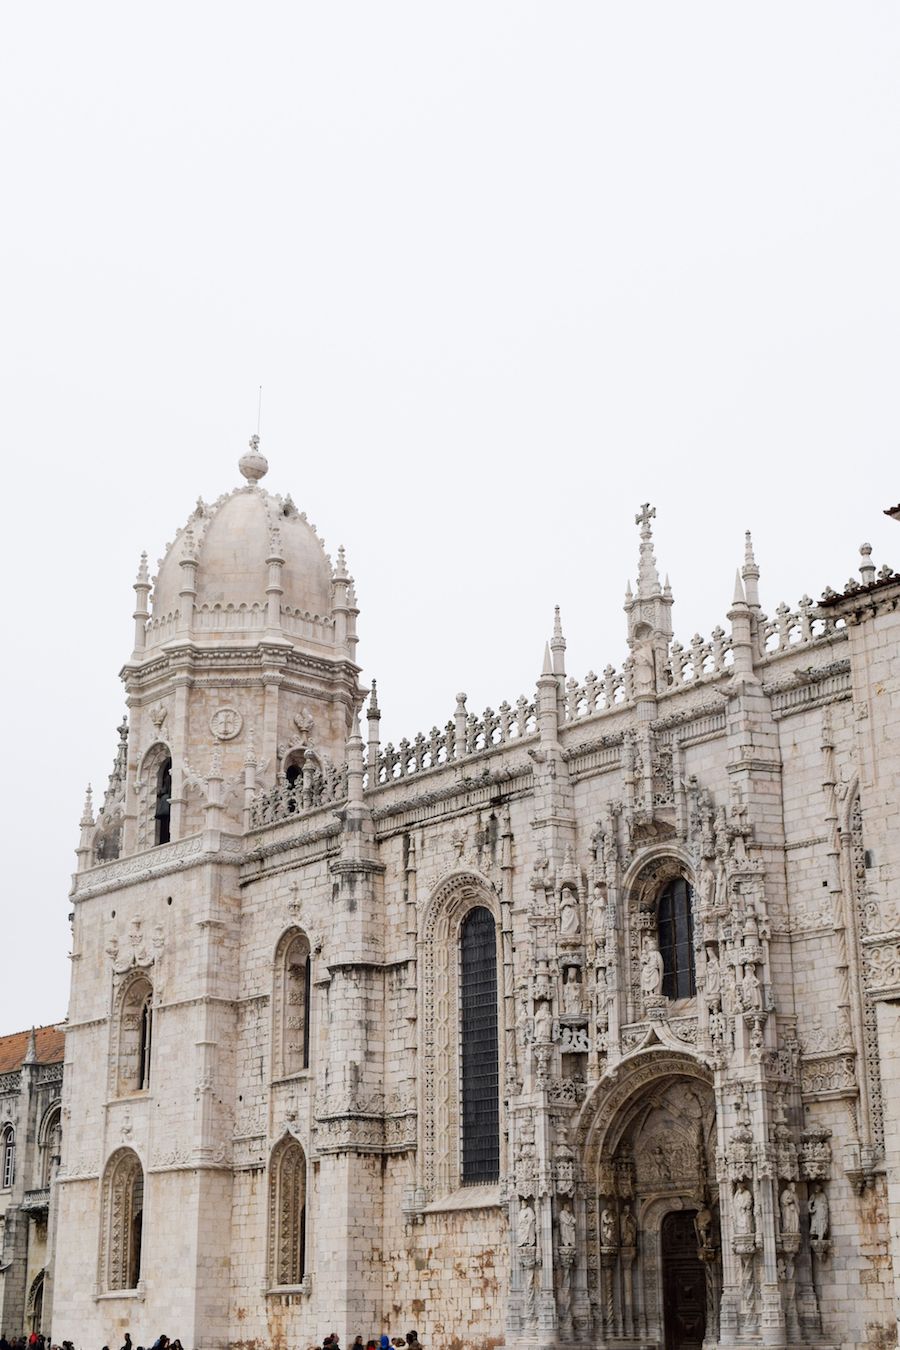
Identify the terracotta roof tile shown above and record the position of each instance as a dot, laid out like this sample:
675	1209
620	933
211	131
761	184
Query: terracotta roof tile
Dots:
49	1044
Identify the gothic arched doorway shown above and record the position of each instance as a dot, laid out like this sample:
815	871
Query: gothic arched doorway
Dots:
652	1203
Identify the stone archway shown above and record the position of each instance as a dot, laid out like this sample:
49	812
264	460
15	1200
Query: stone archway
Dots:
652	1202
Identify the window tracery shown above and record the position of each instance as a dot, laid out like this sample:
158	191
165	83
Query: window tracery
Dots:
291	1005
50	1145
287	1215
133	1037
121	1235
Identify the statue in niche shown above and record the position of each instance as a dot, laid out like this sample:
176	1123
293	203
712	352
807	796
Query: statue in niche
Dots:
566	1228
628	1228
703	1227
526	1227
569	918
651	969
721	885
751	992
707	885
743	1212
790	1211
543	1023
713	975
644	672
608	1228
572	1003
819	1216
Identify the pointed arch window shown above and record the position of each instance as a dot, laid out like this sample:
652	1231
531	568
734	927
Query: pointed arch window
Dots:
479	1048
675	933
123	1222
8	1150
134	1036
287	1215
50	1144
291	1005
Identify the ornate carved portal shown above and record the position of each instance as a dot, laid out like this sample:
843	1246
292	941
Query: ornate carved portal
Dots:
652	1225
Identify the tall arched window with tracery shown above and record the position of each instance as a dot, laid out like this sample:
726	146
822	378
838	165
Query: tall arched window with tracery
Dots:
134	1036
675	935
8	1156
121	1235
461	1013
287	1215
291	1005
479	1048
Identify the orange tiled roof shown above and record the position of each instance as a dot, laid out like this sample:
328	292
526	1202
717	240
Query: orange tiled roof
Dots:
49	1044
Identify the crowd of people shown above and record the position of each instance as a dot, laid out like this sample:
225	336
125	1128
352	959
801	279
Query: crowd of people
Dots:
330	1342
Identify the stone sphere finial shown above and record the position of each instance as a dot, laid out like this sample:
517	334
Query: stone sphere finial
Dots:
253	465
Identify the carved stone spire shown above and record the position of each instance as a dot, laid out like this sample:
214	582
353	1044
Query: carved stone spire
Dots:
648	576
558	645
750	573
649	611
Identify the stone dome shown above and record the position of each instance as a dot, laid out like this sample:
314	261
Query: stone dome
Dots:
232	539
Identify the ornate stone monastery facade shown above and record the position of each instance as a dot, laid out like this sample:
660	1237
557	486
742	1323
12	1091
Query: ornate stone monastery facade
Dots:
577	1021
31	1070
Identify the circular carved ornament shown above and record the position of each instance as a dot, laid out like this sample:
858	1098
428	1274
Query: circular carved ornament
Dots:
226	723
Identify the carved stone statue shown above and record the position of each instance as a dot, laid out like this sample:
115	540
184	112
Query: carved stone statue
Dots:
569	918
628	1228
819	1216
707	885
543	1022
713	975
566	1228
644	670
572	992
651	969
743	1212
608	1228
703	1225
526	1227
751	993
790	1211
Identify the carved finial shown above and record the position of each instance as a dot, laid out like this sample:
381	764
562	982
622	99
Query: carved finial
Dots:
31	1049
548	660
253	465
739	596
461	702
648	577
558	644
749	560
340	572
189	547
373	700
143	575
87	811
866	567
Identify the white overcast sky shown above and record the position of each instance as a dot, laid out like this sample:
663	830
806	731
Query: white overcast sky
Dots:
504	270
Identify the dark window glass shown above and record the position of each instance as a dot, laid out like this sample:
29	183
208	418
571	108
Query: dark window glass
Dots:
163	801
480	1078
676	940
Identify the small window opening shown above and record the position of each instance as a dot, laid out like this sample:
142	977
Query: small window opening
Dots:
163	811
